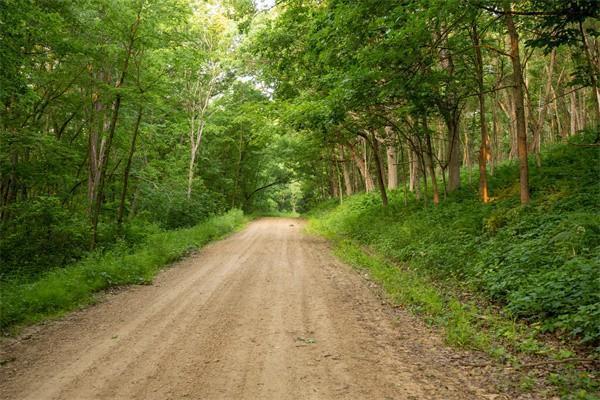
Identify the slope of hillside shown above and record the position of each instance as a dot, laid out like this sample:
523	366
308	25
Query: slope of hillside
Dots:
538	264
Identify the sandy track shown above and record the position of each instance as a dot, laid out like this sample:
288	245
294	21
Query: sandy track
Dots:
266	314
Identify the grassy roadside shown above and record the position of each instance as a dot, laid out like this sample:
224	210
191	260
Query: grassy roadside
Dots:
519	283
466	324
65	289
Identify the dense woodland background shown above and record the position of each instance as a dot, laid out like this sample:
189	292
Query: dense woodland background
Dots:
471	125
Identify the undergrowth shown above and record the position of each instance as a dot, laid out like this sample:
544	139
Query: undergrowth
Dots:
496	276
64	289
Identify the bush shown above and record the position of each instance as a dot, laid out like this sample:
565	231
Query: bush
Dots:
63	289
172	209
42	233
540	262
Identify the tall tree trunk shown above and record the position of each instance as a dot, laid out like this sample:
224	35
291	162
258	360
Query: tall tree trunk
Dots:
362	167
423	172
191	166
128	167
508	107
338	176
96	144
392	165
519	105
197	110
573	113
559	126
379	167
467	156
441	145
453	124
583	110
334	189
98	198
434	187
485	145
404	175
593	71
238	170
496	150
346	173
536	125
105	154
450	110
421	167
413	170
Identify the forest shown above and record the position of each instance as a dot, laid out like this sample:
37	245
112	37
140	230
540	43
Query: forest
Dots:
459	138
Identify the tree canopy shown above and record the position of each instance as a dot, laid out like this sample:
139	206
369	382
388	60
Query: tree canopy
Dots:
119	117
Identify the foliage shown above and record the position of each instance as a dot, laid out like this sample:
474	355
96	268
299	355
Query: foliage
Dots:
170	208
42	234
540	262
64	289
465	323
97	99
123	119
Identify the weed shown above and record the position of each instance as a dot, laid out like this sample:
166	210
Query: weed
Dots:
65	289
493	276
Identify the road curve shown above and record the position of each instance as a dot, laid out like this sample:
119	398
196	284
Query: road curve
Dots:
267	313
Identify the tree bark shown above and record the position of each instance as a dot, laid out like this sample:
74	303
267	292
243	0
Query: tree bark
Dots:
434	186
519	105
423	168
573	113
338	176
453	153
537	124
346	173
508	108
103	165
467	156
379	167
198	109
191	166
496	152
103	168
485	145
392	166
95	148
404	175
593	70
362	167
128	167
450	109
413	171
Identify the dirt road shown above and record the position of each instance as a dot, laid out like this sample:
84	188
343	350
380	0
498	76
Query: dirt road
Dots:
266	314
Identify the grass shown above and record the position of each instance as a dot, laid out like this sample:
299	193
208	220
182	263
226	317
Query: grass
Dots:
469	324
498	277
65	289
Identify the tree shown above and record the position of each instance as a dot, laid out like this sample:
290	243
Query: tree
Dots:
484	146
515	58
203	74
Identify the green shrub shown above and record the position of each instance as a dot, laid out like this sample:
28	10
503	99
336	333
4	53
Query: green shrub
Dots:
540	262
63	289
172	209
41	233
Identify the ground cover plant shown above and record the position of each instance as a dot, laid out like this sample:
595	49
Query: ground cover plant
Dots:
497	277
65	288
